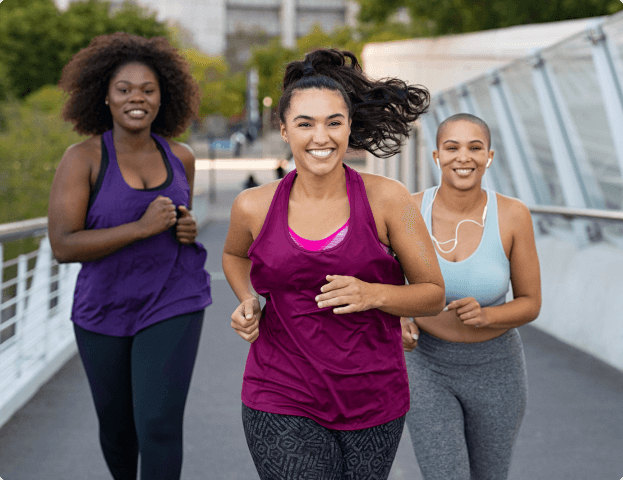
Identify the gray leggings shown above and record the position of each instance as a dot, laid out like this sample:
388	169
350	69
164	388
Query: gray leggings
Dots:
467	403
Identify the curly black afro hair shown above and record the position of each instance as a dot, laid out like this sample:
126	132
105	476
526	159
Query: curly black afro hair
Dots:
87	75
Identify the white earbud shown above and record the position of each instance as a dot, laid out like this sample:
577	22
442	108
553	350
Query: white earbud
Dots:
489	162
437	163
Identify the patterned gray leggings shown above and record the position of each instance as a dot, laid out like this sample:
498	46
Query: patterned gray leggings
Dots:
287	447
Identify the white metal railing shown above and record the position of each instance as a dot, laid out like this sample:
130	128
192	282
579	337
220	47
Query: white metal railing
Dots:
35	334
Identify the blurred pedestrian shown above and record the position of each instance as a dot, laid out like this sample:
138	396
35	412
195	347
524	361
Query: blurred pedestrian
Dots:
121	205
325	388
250	182
467	375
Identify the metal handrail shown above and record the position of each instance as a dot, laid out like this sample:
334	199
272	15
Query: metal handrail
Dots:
577	212
38	226
26	228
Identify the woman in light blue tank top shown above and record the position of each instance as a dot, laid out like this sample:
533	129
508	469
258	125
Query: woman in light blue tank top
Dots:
467	375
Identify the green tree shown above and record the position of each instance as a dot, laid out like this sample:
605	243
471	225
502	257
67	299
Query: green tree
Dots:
32	142
38	40
440	17
221	92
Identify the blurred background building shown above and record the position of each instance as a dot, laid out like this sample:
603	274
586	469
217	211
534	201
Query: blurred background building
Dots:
233	26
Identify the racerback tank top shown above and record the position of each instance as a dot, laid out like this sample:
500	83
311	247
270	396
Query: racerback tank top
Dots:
151	280
346	371
485	274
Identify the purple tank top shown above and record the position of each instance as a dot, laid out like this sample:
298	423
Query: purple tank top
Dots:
151	280
348	371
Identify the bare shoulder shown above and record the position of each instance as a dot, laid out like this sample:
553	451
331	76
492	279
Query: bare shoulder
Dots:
84	155
182	151
515	213
382	190
251	205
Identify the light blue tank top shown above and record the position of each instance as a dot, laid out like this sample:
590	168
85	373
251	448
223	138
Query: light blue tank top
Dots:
485	274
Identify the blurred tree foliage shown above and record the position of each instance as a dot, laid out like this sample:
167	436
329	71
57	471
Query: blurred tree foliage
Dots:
439	17
38	39
32	142
221	92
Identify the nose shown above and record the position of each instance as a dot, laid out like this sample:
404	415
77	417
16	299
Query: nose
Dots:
463	155
321	136
137	96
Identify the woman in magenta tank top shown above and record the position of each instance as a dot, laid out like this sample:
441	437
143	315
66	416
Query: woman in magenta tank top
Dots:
120	204
325	388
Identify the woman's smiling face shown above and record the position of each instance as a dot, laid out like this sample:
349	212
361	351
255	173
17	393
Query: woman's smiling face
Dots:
134	97
317	127
463	153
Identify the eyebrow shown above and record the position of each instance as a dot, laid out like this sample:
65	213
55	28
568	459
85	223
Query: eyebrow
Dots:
307	117
471	141
130	83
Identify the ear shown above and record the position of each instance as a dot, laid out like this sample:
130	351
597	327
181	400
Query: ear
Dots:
436	158
284	133
491	152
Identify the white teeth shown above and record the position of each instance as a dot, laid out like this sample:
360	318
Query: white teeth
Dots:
463	171
137	113
320	153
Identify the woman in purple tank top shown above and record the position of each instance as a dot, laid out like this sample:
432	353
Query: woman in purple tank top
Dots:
325	388
120	204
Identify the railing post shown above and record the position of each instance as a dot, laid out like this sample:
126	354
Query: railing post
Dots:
20	309
526	172
578	183
610	76
41	289
407	163
429	127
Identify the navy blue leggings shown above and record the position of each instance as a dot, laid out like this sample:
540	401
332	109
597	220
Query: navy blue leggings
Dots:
139	386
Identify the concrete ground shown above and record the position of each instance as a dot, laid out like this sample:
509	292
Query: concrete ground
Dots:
573	428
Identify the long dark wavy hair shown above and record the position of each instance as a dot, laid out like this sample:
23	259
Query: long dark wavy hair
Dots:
87	75
381	111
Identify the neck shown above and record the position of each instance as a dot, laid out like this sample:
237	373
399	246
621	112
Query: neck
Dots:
308	186
127	141
461	201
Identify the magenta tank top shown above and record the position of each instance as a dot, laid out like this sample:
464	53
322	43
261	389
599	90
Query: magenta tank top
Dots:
348	371
151	280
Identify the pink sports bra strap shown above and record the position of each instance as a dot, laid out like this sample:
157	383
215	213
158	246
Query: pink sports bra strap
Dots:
315	245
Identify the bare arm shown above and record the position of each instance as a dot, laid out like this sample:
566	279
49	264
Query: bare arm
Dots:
69	198
408	237
525	275
525	278
237	265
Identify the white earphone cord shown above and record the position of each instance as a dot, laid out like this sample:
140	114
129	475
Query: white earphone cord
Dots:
456	232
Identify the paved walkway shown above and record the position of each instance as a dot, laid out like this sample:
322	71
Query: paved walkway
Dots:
573	429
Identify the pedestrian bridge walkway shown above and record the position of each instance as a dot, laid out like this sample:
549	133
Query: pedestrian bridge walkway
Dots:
556	119
572	428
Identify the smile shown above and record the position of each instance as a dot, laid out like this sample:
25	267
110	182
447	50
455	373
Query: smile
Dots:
137	113
463	172
321	153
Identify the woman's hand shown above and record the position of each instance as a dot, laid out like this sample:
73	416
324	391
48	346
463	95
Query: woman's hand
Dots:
159	216
246	319
347	294
468	310
410	334
186	228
